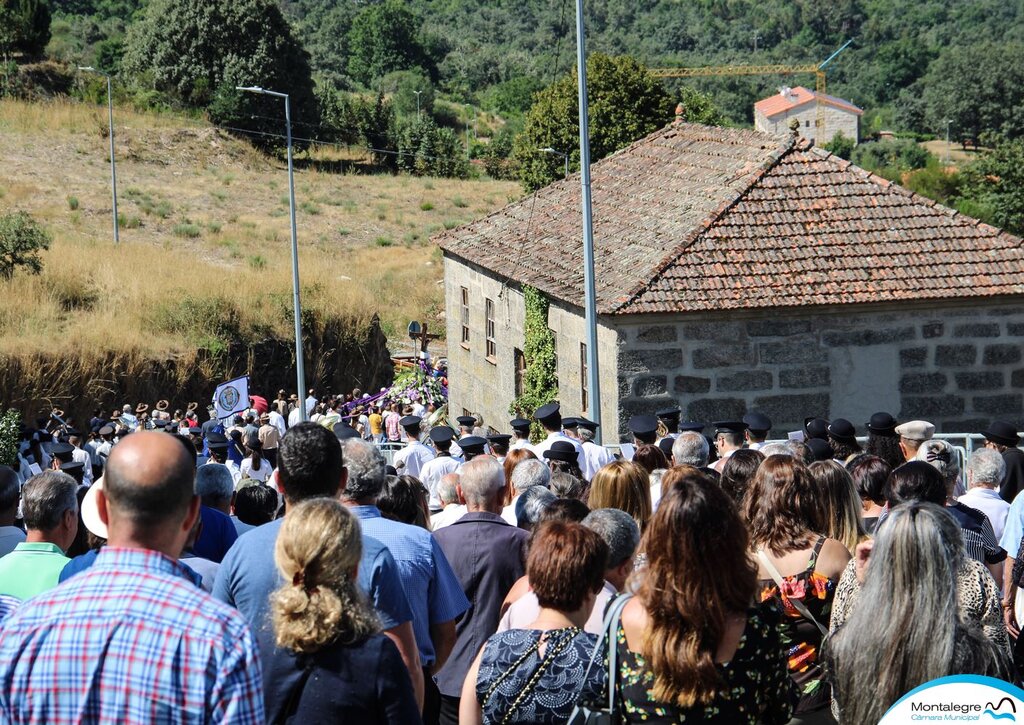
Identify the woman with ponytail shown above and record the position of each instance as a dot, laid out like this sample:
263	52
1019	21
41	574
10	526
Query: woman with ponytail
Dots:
324	658
255	465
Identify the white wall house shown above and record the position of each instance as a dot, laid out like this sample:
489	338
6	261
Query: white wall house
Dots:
774	114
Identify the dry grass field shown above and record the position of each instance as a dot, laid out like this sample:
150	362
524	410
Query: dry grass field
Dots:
204	251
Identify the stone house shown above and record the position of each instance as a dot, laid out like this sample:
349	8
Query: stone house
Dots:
738	270
775	113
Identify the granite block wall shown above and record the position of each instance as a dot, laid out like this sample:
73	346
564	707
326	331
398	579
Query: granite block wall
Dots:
956	366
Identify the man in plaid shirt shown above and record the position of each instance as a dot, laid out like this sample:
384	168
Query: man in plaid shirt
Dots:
132	640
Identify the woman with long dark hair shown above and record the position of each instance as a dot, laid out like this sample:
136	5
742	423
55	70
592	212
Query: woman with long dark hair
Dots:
799	566
698	651
255	466
739	471
870	474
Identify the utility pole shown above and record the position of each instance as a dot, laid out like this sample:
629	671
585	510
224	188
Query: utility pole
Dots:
300	371
756	38
110	133
948	121
590	293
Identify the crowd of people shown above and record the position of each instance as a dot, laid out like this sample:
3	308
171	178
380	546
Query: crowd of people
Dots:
266	568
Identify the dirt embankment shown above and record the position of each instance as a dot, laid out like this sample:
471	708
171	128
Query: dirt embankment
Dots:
337	359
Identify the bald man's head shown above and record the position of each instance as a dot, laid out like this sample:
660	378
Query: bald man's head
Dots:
150	479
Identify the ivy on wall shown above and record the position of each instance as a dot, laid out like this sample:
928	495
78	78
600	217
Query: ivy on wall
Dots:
540	383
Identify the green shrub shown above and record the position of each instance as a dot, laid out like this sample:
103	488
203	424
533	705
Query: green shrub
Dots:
383	242
257	261
187	230
426	206
21	240
72	202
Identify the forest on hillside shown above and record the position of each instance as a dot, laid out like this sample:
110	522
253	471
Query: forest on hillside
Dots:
901	67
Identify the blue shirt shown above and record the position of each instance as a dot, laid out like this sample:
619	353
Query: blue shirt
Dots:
248	576
217	536
129	641
83	562
433	590
1013	531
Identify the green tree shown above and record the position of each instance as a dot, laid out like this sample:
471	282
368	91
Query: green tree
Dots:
197	51
992	187
384	37
898	154
698	107
841	146
626	103
979	88
29	25
497	156
426	150
21	240
401	86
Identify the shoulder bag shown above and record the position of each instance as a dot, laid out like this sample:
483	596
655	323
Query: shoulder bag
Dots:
585	714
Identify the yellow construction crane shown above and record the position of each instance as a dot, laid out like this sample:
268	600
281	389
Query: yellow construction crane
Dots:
757	70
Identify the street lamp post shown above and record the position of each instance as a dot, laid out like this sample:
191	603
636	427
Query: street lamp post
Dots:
417	104
113	167
556	152
948	121
589	285
300	372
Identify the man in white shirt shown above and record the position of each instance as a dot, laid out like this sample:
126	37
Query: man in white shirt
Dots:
729	438
444	463
218	445
311	402
550	417
521	433
527	474
985	471
277	420
81	455
499	446
410	460
453	510
595	457
758	427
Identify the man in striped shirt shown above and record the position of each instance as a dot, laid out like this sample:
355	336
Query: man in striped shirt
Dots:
133	640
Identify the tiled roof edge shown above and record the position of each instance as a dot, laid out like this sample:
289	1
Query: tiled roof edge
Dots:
791	143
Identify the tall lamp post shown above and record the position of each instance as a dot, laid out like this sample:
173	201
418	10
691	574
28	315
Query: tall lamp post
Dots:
300	372
556	152
417	104
110	121
590	293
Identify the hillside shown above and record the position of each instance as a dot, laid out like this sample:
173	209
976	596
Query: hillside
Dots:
204	260
479	49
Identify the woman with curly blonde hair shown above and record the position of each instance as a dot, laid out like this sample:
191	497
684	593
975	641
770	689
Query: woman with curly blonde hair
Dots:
324	658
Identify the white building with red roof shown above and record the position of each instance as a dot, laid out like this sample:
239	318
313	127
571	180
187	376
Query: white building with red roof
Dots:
775	113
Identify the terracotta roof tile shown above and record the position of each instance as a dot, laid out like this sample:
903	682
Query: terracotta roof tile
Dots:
778	103
696	218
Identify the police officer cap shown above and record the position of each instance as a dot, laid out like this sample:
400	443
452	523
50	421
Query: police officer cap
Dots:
758	422
916	430
519	424
502	439
729	426
549	413
441	434
821	450
216	441
72	467
466	421
561	451
665	444
688	425
107	430
882	424
586	423
669	414
411	421
343	432
816	428
473	445
161	424
61	449
74	432
570	423
195	430
643	425
842	430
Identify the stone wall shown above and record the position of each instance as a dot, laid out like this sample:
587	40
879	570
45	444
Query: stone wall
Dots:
487	386
956	366
836	120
